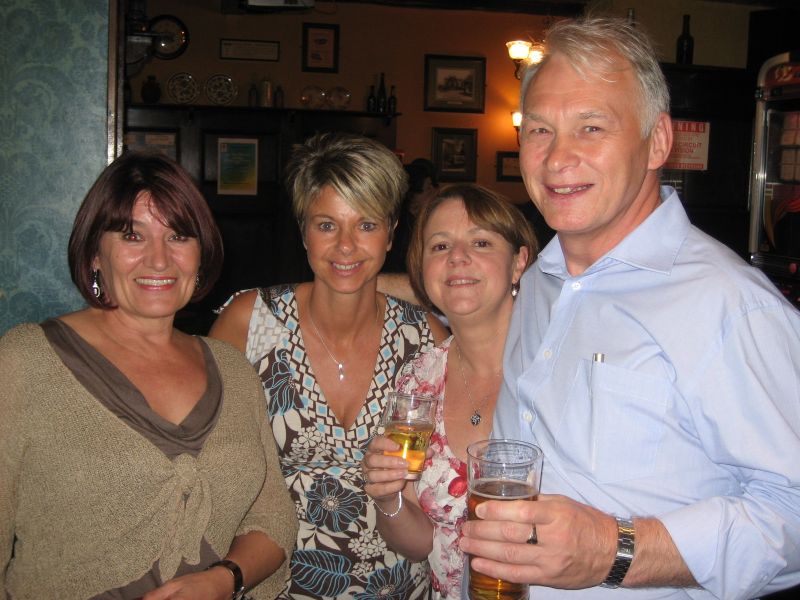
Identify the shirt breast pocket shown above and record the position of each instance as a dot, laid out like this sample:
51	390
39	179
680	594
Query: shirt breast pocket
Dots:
626	413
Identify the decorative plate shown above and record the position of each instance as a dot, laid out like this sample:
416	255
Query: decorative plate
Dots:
182	88
173	36
312	96
339	98
220	89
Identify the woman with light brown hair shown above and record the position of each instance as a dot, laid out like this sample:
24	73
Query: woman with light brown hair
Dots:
467	254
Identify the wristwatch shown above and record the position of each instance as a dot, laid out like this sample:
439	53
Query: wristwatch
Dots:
238	578
626	537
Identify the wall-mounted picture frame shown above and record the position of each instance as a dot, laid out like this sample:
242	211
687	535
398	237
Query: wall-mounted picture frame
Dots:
455	153
164	141
237	166
508	166
249	50
320	48
455	83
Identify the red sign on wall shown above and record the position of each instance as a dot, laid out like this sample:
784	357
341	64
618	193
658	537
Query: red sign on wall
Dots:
689	146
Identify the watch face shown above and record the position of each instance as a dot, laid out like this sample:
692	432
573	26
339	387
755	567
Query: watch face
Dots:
173	37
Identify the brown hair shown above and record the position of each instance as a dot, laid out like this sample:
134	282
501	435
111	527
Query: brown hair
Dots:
486	209
108	206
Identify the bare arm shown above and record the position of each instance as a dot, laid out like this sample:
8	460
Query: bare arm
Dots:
576	546
232	324
409	532
397	285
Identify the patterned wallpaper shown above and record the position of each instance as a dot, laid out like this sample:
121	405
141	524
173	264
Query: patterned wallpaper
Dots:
53	70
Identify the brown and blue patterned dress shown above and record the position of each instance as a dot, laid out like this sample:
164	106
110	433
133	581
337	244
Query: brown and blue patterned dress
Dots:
339	553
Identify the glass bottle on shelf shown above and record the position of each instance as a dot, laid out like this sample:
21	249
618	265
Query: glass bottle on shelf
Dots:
265	95
151	90
684	49
252	95
372	103
382	96
391	103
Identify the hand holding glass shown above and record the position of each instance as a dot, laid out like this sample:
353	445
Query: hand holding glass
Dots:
409	420
500	470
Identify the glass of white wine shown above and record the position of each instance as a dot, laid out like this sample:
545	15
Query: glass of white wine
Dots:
408	420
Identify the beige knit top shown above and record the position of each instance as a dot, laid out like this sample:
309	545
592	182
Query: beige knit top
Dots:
93	504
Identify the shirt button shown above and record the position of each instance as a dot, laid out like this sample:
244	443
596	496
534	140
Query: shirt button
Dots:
527	416
547	353
576	285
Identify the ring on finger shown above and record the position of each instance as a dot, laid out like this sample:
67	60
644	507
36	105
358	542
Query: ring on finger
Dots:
532	538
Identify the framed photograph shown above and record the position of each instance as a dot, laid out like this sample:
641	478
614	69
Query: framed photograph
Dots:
165	142
237	166
249	50
320	48
454	83
508	166
455	153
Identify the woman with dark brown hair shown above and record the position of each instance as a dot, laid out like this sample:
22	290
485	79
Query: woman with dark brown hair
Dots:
134	459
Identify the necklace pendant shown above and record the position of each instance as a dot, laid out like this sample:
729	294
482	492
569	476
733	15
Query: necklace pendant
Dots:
475	419
341	372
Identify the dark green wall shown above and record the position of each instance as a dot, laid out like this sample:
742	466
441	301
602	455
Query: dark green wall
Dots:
53	73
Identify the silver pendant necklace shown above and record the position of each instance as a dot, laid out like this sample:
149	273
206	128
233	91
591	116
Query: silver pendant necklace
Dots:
475	418
336	361
339	364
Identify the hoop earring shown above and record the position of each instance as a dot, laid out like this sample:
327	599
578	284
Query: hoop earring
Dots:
96	283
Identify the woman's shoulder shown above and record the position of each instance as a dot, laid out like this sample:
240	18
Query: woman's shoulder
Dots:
22	336
409	312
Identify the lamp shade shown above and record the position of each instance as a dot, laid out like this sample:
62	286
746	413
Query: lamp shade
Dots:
518	49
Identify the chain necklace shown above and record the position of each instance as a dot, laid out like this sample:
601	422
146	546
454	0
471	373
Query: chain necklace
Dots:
339	364
475	418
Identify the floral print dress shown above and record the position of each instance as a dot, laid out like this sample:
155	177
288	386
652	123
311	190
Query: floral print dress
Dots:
442	489
339	553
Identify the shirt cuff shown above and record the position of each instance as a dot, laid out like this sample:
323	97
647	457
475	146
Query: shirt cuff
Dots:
718	551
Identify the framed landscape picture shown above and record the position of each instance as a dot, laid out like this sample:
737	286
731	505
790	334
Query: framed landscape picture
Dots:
454	83
455	153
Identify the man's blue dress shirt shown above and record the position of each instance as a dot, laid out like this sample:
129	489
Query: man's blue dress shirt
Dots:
694	415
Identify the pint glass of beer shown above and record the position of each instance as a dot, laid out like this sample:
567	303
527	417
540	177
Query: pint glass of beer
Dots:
500	470
409	420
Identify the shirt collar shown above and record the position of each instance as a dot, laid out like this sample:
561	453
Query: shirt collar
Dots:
653	245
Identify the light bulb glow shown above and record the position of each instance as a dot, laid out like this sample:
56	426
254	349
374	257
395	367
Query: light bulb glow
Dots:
518	49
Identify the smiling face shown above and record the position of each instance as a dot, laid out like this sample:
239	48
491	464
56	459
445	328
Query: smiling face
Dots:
346	250
583	158
148	272
467	270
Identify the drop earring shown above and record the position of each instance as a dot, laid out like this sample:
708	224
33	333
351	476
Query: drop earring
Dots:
96	283
514	290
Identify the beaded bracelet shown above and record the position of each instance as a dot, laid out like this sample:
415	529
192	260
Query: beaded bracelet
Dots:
395	513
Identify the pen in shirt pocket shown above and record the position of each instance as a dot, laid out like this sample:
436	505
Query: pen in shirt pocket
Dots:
597	357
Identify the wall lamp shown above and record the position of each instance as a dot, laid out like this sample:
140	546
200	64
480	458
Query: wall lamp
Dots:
521	52
516	119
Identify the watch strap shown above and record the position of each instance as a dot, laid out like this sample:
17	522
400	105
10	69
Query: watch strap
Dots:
626	537
238	578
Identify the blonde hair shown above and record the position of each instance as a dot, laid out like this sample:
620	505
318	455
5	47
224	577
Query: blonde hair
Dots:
365	173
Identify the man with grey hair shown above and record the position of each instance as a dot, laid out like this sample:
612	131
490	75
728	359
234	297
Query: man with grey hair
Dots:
659	373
